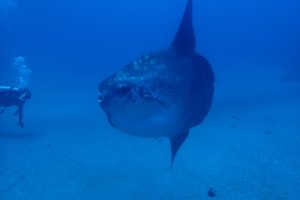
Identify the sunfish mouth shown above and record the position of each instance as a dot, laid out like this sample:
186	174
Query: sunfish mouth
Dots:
100	98
104	98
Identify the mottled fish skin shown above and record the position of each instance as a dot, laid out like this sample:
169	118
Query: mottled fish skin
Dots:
163	93
171	80
145	89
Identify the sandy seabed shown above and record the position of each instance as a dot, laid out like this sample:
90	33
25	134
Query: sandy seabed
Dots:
248	148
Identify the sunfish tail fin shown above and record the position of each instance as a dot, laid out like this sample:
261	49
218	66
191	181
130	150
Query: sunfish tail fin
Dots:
176	143
185	40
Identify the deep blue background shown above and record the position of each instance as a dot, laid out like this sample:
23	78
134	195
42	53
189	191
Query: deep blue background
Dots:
83	41
67	148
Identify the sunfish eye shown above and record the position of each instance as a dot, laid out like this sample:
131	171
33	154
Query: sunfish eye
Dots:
124	89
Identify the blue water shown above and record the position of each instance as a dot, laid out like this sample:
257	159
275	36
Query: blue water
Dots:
247	148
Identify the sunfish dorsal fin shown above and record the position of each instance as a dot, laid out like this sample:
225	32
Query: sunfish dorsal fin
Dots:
185	41
176	143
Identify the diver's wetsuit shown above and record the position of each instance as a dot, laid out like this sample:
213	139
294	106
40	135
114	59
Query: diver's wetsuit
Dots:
13	96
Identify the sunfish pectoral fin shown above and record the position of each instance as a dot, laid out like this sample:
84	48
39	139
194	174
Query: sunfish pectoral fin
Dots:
185	40
176	142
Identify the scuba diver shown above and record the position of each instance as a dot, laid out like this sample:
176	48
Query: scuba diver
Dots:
13	96
9	95
17	96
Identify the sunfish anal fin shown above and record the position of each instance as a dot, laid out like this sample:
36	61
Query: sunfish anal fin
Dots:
176	143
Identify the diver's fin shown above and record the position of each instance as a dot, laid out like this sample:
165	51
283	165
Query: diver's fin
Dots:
176	143
185	41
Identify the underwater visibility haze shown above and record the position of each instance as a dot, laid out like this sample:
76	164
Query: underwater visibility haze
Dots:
215	83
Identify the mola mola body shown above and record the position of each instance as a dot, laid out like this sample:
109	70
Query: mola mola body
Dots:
163	93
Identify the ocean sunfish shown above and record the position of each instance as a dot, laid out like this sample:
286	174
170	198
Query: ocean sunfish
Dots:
163	93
